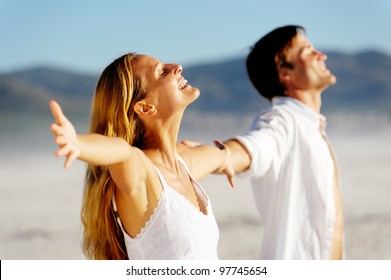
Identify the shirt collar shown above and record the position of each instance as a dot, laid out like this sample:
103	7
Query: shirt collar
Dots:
316	119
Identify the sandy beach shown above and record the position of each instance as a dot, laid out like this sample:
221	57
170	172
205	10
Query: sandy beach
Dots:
40	201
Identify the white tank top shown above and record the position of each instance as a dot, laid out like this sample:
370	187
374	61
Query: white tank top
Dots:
177	230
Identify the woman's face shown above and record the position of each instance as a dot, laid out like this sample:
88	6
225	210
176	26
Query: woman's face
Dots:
164	84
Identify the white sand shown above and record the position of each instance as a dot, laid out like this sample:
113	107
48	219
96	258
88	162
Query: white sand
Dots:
40	202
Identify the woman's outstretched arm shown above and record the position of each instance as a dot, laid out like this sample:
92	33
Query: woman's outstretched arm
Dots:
204	159
95	149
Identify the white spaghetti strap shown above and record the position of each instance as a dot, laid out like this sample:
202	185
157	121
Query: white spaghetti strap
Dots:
188	172
161	178
183	164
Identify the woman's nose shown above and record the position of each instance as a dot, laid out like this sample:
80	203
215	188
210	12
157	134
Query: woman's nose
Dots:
177	68
321	55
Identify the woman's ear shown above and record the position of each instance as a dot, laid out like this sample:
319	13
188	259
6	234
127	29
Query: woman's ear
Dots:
143	108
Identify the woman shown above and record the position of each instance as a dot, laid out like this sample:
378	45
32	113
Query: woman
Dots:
140	201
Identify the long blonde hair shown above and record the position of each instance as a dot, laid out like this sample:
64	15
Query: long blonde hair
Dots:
117	90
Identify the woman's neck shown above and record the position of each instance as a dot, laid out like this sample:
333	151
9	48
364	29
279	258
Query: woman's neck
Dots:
160	144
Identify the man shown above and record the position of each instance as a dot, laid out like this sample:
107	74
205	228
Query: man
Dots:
292	167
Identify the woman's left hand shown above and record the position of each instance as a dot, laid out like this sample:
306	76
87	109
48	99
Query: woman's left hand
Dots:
228	167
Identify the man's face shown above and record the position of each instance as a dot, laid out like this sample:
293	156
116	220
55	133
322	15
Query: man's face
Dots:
309	71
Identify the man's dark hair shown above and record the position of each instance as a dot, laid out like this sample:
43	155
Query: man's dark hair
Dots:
266	56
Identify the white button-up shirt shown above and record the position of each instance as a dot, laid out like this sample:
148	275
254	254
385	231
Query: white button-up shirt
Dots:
292	174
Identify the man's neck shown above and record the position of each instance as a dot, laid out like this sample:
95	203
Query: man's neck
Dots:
312	100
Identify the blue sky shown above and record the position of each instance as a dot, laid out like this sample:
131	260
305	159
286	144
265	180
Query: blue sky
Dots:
86	35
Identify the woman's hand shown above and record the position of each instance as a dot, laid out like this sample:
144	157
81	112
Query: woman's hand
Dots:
228	168
64	135
206	155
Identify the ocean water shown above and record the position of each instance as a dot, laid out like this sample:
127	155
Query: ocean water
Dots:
40	201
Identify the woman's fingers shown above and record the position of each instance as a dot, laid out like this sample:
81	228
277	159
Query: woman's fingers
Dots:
191	144
70	159
63	151
57	112
61	140
65	135
56	129
231	180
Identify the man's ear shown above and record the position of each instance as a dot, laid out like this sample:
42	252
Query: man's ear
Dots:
143	108
284	75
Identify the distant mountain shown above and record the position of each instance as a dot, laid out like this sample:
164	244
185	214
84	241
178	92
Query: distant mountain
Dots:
29	91
364	84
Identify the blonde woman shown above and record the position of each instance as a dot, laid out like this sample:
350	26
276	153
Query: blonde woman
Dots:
141	198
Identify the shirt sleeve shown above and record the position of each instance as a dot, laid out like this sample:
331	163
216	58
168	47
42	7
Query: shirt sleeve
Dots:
267	142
